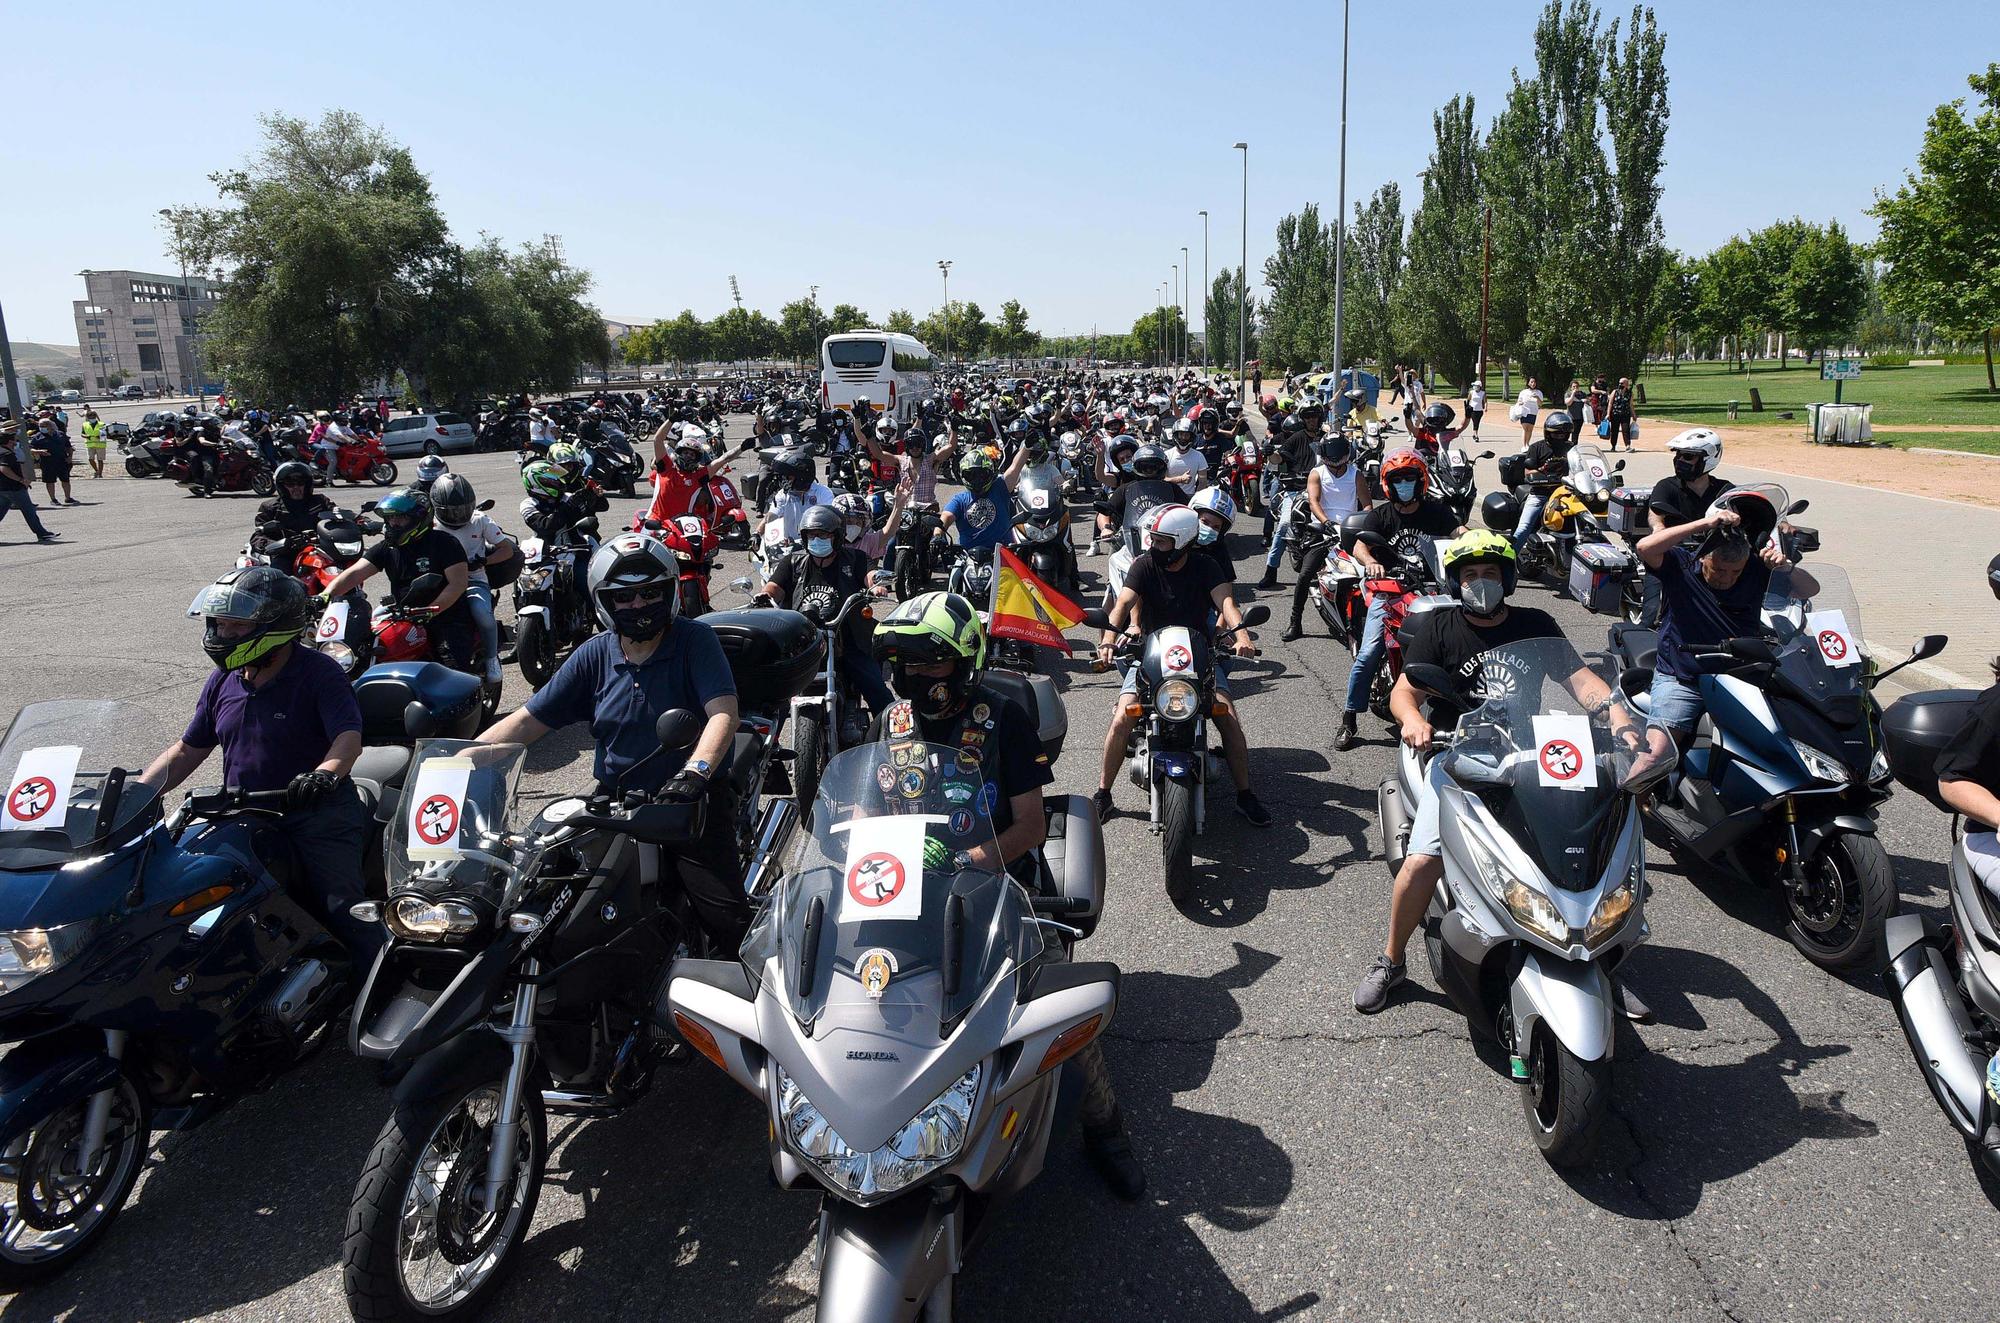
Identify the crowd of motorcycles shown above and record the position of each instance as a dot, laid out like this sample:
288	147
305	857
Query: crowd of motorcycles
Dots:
909	1078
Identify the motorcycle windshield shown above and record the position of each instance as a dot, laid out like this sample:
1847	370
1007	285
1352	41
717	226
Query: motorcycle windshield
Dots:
456	835
886	909
61	761
1589	470
1545	765
1821	650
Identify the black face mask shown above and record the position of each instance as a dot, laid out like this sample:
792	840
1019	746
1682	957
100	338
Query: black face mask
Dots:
1687	469
931	696
640	623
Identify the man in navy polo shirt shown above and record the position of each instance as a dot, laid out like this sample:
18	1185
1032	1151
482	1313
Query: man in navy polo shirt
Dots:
649	662
286	719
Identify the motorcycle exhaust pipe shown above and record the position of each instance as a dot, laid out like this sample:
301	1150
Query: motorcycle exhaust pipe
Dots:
773	832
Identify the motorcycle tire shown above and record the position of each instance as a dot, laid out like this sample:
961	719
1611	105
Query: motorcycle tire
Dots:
1856	869
373	1263
1565	1099
383	474
910	580
1378	694
489	702
262	483
535	650
808	761
127	1141
138	468
1252	501
1177	837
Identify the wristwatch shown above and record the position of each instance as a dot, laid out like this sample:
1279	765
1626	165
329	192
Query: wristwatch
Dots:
701	767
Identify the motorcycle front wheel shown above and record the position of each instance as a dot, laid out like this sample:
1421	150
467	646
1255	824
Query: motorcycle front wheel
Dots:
1565	1099
419	1245
261	482
808	760
1836	919
138	468
52	1211
1177	837
383	474
535	650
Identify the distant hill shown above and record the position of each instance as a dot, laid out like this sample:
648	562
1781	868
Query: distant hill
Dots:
52	361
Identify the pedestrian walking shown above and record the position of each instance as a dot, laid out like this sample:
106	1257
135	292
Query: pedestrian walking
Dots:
1575	402
93	442
1623	426
1396	383
14	481
1475	407
51	448
1526	406
1600	401
382	409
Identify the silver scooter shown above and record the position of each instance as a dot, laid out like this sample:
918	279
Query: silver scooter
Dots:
1543	893
904	1012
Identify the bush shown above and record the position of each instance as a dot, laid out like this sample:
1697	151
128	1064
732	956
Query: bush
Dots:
1888	360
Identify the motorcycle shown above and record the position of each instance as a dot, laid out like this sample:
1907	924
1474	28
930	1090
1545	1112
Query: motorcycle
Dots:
401	635
826	721
695	550
1543	893
1041	529
154	970
904	1012
1573	513
361	458
1243	474
1453	475
525	963
1786	770
552	611
1945	979
612	462
234	467
1171	758
146	454
1339	591
1409	583
971	577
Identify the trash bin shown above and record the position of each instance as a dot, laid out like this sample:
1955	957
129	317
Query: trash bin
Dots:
1840	424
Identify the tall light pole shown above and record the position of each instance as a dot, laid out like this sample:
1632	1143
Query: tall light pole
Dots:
944	268
1243	275
1160	322
1187	312
1340	229
1174	358
1208	350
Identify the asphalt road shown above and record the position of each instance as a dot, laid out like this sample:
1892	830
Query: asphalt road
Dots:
1773	1153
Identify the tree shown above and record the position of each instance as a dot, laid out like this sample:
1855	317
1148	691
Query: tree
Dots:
1435	306
1219	315
1824	289
41	384
961	327
115	380
1155	334
1374	269
845	317
683	340
1941	229
1677	296
1634	92
800	329
901	322
1298	319
1011	335
72	383
1729	294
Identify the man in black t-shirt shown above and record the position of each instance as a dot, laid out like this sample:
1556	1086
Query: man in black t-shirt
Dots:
1407	516
412	547
1146	490
1465	640
1683	497
816	581
1167	587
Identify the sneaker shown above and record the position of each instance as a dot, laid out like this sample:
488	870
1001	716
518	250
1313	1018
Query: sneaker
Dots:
1382	976
1346	737
1252	808
47	538
1102	799
1270	579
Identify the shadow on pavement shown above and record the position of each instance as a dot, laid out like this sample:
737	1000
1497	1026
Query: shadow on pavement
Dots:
1238	866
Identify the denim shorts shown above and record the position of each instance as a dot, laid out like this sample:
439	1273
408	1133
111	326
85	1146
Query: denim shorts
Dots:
1130	685
1673	705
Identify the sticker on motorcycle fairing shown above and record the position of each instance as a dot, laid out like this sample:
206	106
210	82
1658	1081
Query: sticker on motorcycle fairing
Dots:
874	970
39	788
903	755
961	823
437	809
691	525
912	783
1038	500
332	623
885	867
1179	658
1562	752
885	776
1837	644
989	795
957	792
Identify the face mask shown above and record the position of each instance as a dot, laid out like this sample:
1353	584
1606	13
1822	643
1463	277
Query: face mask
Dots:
820	546
1483	596
1687	467
854	532
640	622
1404	492
1207	535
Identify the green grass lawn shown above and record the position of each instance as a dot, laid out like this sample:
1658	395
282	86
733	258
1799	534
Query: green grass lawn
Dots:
1984	443
1903	397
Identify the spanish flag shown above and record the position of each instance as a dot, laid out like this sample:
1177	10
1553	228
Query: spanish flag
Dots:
1025	608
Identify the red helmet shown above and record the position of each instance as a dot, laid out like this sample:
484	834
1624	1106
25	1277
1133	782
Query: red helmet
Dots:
1404	464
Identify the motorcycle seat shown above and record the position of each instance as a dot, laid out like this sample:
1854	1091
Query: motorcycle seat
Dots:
1635	644
378	770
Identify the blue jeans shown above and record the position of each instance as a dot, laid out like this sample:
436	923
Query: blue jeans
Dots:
864	675
1531	517
1368	658
479	598
1283	531
26	505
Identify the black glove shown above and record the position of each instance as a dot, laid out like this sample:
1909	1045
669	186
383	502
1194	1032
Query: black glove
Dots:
687	786
308	788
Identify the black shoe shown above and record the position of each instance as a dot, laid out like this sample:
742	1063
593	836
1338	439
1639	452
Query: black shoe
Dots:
1252	808
47	538
1270	579
1292	634
1102	799
1111	1153
1346	737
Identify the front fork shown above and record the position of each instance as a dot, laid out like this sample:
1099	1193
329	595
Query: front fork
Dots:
1795	864
98	1119
520	1038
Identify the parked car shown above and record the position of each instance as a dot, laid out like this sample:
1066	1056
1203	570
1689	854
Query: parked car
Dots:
129	393
427	434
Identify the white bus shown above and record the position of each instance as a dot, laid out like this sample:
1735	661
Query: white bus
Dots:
892	369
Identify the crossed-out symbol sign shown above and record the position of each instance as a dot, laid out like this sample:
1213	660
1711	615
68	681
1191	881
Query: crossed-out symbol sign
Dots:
31	799
875	879
1561	760
1832	644
329	627
437	820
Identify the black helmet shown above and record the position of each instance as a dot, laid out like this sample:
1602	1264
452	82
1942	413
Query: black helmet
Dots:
825	520
1438	416
293	470
451	498
1557	429
272	603
1335	450
1500	511
1149	461
1292	423
796	467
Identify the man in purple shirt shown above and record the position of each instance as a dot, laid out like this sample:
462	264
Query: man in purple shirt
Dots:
286	719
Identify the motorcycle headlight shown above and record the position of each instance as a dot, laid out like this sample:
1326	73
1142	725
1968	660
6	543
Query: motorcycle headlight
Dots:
535	580
340	652
1610	914
1175	699
1530	908
28	953
421	919
1823	766
348	550
924	1143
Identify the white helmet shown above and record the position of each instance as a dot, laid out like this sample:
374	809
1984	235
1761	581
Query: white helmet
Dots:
1176	523
1701	441
1217	502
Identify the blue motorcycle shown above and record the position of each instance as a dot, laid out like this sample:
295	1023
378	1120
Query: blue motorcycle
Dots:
153	969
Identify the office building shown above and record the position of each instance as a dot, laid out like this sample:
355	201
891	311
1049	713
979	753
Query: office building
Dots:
140	326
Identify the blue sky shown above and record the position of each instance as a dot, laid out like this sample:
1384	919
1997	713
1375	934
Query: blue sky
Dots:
1057	153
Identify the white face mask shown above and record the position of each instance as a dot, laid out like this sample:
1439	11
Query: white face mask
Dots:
854	532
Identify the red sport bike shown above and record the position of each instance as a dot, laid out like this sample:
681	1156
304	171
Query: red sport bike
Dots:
361	459
402	633
1407	585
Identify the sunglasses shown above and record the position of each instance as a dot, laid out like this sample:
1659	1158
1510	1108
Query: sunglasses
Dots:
638	596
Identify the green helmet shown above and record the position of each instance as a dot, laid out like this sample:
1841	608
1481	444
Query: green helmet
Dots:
543	481
568	457
927	629
405	515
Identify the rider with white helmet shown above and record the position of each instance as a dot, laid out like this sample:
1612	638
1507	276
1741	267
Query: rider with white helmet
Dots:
1216	509
1684	497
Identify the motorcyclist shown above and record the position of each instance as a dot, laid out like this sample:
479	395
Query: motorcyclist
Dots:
429	469
1407	512
800	492
1145	487
857	519
651	660
1335	488
1435	432
983	514
1187	467
412	546
297	508
484	544
1209	438
1684	496
1216	509
1468	640
286	719
935	649
1166	586
681	471
1545	461
1294	451
816	581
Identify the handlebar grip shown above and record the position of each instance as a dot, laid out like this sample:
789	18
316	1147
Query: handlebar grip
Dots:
1059	905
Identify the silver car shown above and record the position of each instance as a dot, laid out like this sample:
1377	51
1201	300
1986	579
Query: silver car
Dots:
427	434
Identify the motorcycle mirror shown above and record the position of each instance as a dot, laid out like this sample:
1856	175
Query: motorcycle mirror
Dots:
1930	645
1256	615
749	443
677	729
742	582
1798	506
1097	618
486	504
367	506
419	722
1432	679
1486	454
1619	467
424	591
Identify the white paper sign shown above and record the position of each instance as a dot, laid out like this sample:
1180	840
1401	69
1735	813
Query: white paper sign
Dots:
884	873
38	792
332	622
1837	644
1038	500
436	809
1563	757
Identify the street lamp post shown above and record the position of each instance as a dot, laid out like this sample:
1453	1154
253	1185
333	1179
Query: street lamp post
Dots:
1243	275
944	267
1174	358
1187	311
1340	214
1208	350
